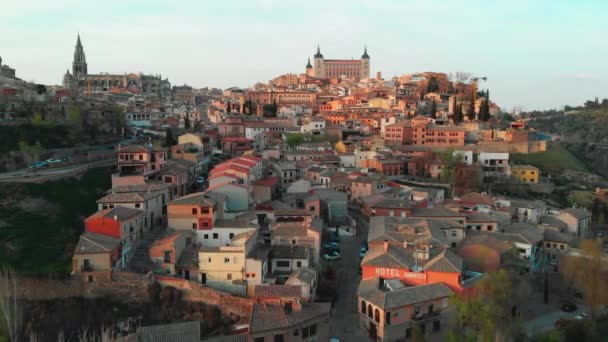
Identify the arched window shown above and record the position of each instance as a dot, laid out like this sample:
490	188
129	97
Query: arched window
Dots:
377	316
363	307
370	312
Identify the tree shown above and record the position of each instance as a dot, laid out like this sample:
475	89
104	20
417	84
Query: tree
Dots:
433	110
32	151
487	315
433	85
471	108
586	272
10	308
484	110
170	138
186	122
457	115
295	139
228	109
40	89
449	161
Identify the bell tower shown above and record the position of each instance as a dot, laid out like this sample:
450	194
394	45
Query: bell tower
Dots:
319	64
79	64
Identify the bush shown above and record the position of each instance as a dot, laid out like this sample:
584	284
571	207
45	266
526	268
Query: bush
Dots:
154	291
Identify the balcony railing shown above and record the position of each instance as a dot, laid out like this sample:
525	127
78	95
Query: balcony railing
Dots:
425	316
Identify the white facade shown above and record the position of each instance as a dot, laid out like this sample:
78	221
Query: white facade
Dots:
217	237
465	156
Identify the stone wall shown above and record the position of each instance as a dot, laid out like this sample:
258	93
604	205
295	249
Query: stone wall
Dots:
131	288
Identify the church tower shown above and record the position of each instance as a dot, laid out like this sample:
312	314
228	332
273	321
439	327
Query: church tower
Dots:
319	64
309	70
79	65
364	66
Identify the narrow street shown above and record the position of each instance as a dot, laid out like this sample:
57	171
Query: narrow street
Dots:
344	317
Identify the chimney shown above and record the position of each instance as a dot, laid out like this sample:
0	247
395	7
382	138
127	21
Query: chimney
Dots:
385	245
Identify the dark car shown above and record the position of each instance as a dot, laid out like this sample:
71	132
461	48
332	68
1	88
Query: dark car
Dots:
568	306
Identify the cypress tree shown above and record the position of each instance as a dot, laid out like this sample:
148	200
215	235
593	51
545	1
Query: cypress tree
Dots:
433	110
471	109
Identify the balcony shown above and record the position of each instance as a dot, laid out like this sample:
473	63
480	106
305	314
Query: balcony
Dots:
425	316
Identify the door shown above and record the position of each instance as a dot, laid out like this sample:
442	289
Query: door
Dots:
204	278
373	331
187	275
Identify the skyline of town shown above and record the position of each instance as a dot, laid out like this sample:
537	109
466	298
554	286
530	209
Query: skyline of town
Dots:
182	43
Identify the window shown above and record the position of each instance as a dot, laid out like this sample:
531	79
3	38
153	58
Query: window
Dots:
229	276
209	259
436	325
231	235
299	264
370	313
205	224
259	339
194	226
226	260
416	309
296	332
408	333
305	332
363	307
454	232
377	316
206	236
137	205
387	318
167	257
313	330
215	236
194	211
205	210
283	263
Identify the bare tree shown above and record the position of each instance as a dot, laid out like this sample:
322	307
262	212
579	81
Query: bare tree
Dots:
12	311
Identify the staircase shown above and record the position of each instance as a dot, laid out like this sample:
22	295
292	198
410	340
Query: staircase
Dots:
140	261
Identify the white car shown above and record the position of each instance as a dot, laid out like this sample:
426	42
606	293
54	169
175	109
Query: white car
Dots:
582	315
331	256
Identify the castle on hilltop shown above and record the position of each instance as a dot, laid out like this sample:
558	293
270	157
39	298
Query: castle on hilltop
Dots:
338	68
136	83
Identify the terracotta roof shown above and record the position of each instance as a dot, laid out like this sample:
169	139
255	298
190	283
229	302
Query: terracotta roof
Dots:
127	197
476	198
270	181
265	317
446	261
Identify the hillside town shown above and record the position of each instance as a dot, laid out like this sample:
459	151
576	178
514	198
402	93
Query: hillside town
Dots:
331	204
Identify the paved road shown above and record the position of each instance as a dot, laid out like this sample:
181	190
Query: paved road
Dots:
546	322
29	175
344	320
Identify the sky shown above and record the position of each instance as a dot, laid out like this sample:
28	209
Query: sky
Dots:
536	54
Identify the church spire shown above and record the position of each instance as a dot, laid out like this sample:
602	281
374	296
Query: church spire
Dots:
78	43
365	55
318	54
308	65
79	64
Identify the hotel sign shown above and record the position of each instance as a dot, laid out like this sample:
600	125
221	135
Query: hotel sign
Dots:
398	273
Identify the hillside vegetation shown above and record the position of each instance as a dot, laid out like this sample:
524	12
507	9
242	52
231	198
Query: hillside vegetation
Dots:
40	223
583	131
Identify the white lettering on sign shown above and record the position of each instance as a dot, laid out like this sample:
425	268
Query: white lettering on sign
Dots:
397	273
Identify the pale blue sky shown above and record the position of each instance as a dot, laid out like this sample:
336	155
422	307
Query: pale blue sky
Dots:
536	54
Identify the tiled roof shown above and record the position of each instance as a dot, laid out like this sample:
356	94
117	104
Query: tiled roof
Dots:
446	261
127	197
480	218
578	213
121	213
183	332
278	291
290	229
477	198
197	198
393	257
96	243
371	290
265	317
153	187
304	274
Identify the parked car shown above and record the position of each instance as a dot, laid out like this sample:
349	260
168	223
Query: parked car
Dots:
553	262
54	161
200	179
39	164
332	244
362	253
568	306
582	315
331	256
364	245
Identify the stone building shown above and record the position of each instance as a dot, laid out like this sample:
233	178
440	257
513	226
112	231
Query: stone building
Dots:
337	68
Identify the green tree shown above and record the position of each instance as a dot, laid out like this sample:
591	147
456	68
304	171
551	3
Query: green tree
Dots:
170	138
228	107
457	115
449	161
433	85
471	108
433	110
32	151
484	110
186	122
38	120
487	316
295	139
